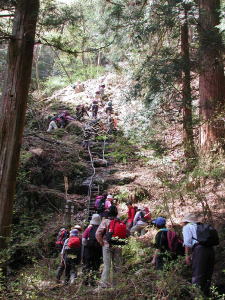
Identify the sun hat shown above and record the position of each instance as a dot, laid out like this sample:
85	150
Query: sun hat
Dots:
190	218
78	227
160	221
95	219
109	197
74	232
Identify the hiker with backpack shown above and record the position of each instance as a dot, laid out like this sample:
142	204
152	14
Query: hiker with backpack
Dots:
111	234
112	210
71	255
140	221
97	201
199	240
92	254
100	205
167	243
61	237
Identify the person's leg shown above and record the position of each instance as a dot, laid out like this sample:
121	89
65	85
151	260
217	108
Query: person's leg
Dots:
107	257
129	225
60	270
202	268
209	270
87	265
73	273
143	230
136	228
117	263
67	270
133	229
52	125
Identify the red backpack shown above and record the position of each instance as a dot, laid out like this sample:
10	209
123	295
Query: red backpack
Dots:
174	243
62	236
74	242
117	233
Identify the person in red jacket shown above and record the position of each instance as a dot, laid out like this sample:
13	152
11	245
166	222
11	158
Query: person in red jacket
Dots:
131	213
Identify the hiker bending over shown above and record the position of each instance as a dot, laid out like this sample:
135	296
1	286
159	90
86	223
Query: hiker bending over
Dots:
55	123
140	221
65	118
199	240
111	229
92	255
167	243
71	255
100	204
61	237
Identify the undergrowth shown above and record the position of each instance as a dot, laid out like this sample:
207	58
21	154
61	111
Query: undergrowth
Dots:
137	280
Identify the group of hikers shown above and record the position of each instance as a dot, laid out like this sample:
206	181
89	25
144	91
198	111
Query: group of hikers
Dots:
62	119
105	236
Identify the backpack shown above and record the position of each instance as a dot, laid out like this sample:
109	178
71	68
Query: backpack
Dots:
175	245
74	242
62	236
207	235
101	206
91	241
117	233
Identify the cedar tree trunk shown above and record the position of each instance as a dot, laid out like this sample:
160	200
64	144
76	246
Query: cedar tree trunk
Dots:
13	107
188	140
211	80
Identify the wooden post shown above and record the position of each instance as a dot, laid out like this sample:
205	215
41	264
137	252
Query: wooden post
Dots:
67	215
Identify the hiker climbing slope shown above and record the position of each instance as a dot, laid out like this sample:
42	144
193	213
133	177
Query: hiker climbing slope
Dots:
71	255
112	254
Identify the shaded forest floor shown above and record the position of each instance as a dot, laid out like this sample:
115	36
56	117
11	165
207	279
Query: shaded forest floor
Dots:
151	174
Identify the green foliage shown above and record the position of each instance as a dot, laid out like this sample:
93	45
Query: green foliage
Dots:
122	150
55	83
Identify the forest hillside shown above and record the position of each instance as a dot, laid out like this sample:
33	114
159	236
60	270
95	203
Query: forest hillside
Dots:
155	72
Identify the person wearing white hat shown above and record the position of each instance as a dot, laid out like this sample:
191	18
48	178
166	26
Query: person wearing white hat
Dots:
92	255
108	201
201	258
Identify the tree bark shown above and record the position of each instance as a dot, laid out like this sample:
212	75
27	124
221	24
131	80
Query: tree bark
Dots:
13	107
188	139
211	80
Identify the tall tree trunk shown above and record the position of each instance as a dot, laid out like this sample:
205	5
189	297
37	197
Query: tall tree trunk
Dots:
188	140
13	106
211	81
